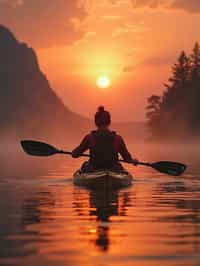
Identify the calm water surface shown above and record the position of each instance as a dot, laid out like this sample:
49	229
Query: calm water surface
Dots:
46	220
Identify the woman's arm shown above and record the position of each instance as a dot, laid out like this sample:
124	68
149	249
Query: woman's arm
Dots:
126	155
81	148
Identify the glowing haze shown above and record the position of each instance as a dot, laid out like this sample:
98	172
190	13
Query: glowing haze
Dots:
125	46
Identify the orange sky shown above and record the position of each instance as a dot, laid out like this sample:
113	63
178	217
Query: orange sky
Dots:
132	42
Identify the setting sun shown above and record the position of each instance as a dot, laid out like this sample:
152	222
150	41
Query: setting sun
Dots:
103	82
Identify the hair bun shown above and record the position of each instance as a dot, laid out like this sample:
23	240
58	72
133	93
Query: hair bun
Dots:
101	108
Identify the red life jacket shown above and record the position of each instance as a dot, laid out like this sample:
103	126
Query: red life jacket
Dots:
103	155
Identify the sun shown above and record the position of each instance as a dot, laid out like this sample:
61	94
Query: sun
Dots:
103	82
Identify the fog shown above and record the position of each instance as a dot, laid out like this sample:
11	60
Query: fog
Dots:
14	161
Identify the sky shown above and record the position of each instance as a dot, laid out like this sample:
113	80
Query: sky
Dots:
133	43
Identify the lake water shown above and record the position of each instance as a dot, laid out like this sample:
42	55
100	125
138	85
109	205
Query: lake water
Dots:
46	220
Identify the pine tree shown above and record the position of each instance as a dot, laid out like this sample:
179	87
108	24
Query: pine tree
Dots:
194	94
177	111
173	94
181	71
195	61
153	114
166	112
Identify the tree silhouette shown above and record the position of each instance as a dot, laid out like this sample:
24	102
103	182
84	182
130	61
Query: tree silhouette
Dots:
177	112
153	114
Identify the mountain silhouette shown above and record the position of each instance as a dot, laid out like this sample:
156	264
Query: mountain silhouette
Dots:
29	106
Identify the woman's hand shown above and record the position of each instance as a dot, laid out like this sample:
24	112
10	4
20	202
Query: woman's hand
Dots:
74	154
135	162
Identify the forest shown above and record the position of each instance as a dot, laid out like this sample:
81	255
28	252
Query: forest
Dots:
176	113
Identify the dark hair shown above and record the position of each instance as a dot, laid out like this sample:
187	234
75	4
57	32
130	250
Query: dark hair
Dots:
102	117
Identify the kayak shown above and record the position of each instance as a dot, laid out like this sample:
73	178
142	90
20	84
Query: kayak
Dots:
103	179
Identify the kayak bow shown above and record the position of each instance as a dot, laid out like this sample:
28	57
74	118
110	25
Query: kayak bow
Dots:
103	179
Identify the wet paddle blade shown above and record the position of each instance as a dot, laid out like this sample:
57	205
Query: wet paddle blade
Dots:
170	168
36	148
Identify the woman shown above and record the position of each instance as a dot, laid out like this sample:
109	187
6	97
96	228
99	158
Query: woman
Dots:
104	146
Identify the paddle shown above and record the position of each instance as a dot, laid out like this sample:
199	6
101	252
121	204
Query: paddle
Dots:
36	148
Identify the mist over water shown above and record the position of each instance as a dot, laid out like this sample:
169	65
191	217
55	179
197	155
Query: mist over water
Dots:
46	220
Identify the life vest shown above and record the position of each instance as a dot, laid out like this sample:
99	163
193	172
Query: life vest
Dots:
103	155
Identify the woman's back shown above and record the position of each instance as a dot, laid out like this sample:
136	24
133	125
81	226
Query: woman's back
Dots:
103	154
104	145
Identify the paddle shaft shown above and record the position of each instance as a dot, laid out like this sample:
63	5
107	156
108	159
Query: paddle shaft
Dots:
35	148
87	156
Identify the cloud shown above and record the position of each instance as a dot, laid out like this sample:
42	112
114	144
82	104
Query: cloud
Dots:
12	3
151	62
129	69
129	28
142	3
111	17
150	3
159	61
187	5
124	29
90	34
44	23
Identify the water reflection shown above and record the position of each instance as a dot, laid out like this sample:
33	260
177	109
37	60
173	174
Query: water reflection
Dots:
185	210
103	205
39	208
48	221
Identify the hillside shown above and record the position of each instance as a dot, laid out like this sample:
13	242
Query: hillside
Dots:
29	106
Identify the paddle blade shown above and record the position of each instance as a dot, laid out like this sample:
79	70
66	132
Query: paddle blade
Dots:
36	148
170	168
